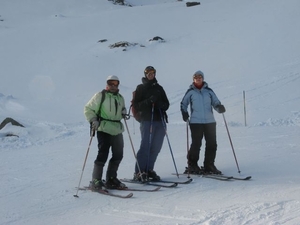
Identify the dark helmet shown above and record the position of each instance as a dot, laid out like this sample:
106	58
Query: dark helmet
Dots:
149	69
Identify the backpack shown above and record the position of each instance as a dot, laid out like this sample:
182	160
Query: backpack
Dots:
136	114
102	100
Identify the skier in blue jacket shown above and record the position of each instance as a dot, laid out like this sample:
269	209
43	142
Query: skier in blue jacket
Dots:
202	123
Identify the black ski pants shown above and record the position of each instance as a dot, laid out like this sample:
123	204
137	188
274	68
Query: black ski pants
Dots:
105	142
198	131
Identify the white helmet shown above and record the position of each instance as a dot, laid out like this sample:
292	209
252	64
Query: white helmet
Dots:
112	77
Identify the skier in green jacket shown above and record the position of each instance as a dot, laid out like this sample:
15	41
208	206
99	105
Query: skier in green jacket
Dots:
104	111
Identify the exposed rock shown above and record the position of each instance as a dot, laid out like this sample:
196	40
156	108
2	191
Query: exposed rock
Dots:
188	4
10	120
120	2
157	38
103	40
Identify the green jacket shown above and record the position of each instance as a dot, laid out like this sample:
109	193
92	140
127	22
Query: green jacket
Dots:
110	113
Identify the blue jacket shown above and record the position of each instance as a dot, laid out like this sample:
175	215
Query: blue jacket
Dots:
201	102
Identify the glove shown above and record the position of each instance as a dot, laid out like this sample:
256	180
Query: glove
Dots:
153	98
155	95
124	115
220	108
185	116
95	123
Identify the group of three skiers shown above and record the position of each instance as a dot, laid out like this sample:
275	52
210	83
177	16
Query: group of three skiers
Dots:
105	110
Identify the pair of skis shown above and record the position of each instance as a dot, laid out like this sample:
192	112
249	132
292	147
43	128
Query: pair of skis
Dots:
110	193
224	177
219	177
106	192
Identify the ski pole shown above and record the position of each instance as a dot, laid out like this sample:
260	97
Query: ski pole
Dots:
87	153
231	144
150	134
165	127
187	145
135	156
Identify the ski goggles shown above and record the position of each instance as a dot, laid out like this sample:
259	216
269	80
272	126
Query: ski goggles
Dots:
114	83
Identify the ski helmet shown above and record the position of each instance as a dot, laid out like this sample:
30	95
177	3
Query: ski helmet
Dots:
112	77
149	69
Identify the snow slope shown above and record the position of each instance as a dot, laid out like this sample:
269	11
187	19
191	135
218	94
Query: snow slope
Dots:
52	63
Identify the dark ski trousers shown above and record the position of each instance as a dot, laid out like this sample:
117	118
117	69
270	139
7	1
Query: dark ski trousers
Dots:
197	132
105	142
146	156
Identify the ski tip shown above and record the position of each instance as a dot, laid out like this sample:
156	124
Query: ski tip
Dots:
129	195
174	185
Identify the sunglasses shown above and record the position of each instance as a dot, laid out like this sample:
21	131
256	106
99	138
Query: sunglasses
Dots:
151	73
198	77
114	83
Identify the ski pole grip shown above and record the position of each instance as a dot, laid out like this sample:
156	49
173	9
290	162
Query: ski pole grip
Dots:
92	132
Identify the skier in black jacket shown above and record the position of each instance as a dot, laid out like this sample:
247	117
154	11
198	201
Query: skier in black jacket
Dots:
152	103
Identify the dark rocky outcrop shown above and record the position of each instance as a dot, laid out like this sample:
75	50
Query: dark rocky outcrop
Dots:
10	120
189	4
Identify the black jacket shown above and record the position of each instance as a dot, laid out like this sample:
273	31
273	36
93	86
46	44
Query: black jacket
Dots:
147	94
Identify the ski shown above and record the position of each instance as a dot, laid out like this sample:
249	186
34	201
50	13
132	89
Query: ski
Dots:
189	180
138	189
106	192
232	177
169	185
134	189
213	176
242	178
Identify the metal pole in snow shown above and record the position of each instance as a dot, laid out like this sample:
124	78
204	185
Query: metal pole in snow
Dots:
245	108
